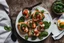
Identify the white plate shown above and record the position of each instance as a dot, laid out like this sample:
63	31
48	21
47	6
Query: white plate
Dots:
47	18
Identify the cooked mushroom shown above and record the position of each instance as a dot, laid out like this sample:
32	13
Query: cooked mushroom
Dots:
34	25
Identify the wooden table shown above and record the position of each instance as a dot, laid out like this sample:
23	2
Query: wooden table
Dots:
16	5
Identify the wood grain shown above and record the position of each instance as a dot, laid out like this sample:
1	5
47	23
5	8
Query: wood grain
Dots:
15	6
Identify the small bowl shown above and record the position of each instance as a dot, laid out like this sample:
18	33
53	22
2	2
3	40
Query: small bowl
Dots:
54	11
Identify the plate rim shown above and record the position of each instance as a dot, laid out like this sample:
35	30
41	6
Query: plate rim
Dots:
19	32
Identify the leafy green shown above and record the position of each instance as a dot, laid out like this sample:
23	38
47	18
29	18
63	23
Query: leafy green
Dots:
43	34
58	7
22	19
36	13
33	37
61	26
47	24
23	25
26	37
37	9
7	28
42	11
40	37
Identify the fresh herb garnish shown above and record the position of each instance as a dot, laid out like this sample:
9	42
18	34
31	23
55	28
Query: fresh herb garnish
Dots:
36	13
22	19
47	24
33	37
58	7
23	25
37	9
26	37
42	11
43	34
61	26
7	28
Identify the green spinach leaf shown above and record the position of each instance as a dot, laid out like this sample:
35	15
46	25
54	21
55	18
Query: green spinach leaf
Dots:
22	19
43	34
7	28
42	11
33	37
26	37
47	24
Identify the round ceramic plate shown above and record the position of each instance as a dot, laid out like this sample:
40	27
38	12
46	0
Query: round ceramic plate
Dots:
47	18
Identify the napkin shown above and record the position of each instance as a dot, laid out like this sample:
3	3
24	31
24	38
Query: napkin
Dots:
5	36
55	30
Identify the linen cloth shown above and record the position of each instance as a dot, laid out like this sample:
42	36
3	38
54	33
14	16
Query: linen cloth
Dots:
55	30
5	36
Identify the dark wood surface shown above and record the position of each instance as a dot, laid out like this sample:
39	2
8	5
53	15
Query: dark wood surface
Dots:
15	6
